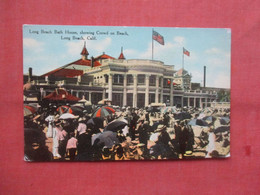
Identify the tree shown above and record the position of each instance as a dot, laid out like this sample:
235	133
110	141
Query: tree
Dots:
223	96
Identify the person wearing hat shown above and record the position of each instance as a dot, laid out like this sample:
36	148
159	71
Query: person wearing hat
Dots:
142	152
211	142
35	148
119	152
55	145
147	117
50	120
143	134
183	138
132	124
84	146
166	119
72	146
62	137
176	141
106	153
162	147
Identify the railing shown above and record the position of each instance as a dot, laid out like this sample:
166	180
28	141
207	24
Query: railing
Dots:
132	62
220	104
201	92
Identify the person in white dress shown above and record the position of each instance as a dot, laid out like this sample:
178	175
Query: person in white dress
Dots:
211	145
55	146
50	120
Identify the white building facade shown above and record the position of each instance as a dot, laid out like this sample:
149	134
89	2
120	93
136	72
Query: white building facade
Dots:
126	82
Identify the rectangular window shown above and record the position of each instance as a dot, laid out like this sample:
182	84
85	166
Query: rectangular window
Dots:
141	79
152	80
130	79
118	79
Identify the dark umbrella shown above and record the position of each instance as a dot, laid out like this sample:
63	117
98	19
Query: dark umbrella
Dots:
182	116
224	120
103	111
115	125
198	122
222	129
106	138
209	119
154	126
153	109
77	110
149	109
96	121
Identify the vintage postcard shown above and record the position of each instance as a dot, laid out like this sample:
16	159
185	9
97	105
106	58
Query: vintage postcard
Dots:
107	93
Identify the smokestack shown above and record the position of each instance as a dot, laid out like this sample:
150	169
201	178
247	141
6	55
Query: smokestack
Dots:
204	80
30	75
92	61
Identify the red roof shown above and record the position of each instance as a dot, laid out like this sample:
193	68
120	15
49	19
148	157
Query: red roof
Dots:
84	50
61	94
121	56
62	72
104	56
86	62
67	71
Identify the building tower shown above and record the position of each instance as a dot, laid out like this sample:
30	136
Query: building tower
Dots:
121	57
84	52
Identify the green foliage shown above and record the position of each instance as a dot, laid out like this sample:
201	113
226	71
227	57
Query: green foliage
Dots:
223	96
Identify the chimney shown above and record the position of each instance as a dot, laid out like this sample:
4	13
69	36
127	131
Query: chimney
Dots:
204	80
92	62
30	75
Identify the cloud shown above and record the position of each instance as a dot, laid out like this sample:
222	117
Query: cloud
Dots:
216	77
213	51
42	63
216	62
222	81
217	58
94	47
219	63
130	53
100	45
197	76
179	40
217	52
159	50
174	47
33	45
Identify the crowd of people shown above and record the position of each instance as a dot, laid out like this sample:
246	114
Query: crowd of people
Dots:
126	134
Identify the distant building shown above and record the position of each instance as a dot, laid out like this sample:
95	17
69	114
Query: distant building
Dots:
126	82
183	78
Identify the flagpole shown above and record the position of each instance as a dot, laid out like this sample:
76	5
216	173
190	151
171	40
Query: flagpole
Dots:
152	44
182	67
183	58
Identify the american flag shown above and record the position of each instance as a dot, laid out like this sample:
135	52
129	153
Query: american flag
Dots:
157	37
186	52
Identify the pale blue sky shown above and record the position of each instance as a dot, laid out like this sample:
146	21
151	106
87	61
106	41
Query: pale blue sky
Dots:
207	46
